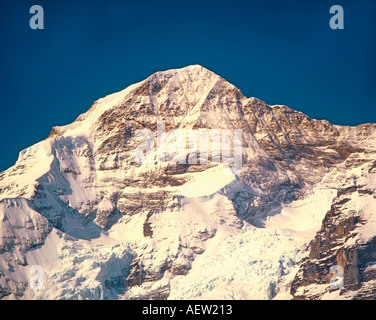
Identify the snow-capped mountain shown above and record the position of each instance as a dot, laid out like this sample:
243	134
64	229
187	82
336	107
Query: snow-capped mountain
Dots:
84	217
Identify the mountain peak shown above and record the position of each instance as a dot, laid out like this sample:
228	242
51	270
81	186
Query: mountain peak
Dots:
80	205
169	93
194	68
192	73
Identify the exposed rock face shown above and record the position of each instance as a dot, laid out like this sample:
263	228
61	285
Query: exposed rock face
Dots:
341	242
120	229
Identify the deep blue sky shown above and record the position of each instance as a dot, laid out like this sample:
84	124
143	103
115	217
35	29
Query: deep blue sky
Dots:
282	52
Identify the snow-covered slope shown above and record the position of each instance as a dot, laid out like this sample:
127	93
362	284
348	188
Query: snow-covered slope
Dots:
103	225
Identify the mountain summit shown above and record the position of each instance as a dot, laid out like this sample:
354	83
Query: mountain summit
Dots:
84	217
